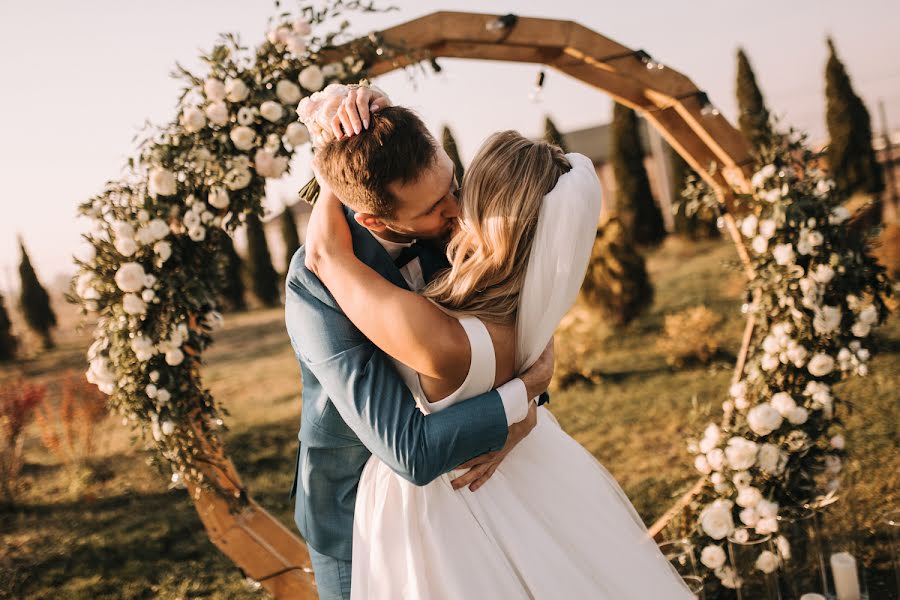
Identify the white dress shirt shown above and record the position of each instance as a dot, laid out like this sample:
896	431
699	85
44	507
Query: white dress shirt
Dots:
513	393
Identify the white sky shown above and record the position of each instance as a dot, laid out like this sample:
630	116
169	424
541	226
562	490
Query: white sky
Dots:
79	79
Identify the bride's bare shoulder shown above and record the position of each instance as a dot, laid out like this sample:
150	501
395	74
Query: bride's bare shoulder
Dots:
504	339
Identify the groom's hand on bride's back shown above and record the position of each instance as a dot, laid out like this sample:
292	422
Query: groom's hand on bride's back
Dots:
537	379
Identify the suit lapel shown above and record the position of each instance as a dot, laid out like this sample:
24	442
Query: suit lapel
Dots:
368	250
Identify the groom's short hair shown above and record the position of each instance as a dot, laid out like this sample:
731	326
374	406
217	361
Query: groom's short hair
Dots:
397	147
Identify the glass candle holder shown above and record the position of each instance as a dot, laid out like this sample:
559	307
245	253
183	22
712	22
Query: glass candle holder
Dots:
801	553
755	562
680	554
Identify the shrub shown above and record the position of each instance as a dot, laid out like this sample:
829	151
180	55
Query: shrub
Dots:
69	431
18	401
691	334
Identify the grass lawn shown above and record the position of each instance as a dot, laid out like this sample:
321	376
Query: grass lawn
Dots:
129	536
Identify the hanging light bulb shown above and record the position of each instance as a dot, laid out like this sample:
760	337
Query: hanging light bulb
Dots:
537	93
501	23
707	110
648	60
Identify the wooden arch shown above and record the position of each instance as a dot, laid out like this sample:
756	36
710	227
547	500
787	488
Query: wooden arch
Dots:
260	545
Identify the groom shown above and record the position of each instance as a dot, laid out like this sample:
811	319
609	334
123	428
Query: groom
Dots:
398	186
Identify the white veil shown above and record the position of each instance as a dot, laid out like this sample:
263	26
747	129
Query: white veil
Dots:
566	229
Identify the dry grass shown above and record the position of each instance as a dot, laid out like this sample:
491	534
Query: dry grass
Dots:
690	335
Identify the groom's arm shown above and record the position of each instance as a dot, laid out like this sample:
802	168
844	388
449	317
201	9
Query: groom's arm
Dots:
373	400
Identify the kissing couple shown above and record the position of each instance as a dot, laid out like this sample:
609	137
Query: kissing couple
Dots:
421	310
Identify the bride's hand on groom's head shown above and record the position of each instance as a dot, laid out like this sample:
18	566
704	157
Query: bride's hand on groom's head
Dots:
349	114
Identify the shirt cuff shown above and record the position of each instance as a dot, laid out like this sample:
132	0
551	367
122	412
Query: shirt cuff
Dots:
515	400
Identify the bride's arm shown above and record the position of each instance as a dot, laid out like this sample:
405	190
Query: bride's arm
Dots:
403	324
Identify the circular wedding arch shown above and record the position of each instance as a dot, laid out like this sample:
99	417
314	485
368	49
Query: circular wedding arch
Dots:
259	544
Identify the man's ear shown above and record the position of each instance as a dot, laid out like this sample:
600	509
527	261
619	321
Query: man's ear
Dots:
370	222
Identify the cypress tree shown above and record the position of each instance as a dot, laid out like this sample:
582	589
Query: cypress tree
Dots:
35	302
634	202
289	235
701	224
753	115
263	276
8	342
452	150
552	134
617	281
851	158
231	272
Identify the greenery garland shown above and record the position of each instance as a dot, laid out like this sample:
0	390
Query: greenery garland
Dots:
154	269
816	297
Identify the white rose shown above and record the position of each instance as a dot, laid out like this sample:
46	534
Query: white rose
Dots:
763	419
727	576
218	197
214	89
101	375
148	295
158	229
246	115
741	452
820	365
288	92
742	479
144	236
143	348
242	137
716	459
191	219
311	78
197	234
748	497
126	246
302	27
122	229
84	282
770	459
784	547
167	427
193	119
748	517
237	179
784	254
837	442
766	525
702	465
296	44
783	403
738	390
771	344
741	403
815	238
767	562
133	305
271	111
174	357
767	508
767	228
833	464
130	277
152	391
163	250
269	165
772	195
161	182
236	90
748	226
797	354
712	556
717	522
296	134
827	319
823	274
798	416
770	362
217	113
163	396
860	329
334	69
868	315
759	244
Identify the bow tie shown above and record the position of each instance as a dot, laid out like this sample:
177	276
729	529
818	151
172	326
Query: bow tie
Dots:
408	253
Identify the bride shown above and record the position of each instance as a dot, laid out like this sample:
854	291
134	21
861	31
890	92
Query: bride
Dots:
551	522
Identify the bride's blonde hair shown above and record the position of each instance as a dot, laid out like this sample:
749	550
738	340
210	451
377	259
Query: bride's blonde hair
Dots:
501	198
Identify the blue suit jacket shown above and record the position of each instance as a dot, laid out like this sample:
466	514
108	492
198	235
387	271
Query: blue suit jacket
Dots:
355	404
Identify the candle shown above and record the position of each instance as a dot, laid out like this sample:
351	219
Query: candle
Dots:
846	581
812	597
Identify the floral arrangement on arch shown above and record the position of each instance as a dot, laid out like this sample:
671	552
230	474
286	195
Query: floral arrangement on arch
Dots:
152	268
816	297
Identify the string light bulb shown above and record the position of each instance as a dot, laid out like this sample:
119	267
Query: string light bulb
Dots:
501	23
537	93
707	110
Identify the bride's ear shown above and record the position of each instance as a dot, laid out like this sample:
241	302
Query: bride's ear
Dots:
370	222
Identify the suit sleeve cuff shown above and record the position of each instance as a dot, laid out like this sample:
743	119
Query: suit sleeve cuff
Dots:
515	400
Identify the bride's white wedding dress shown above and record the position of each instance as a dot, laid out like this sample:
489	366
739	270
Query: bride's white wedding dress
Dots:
551	523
